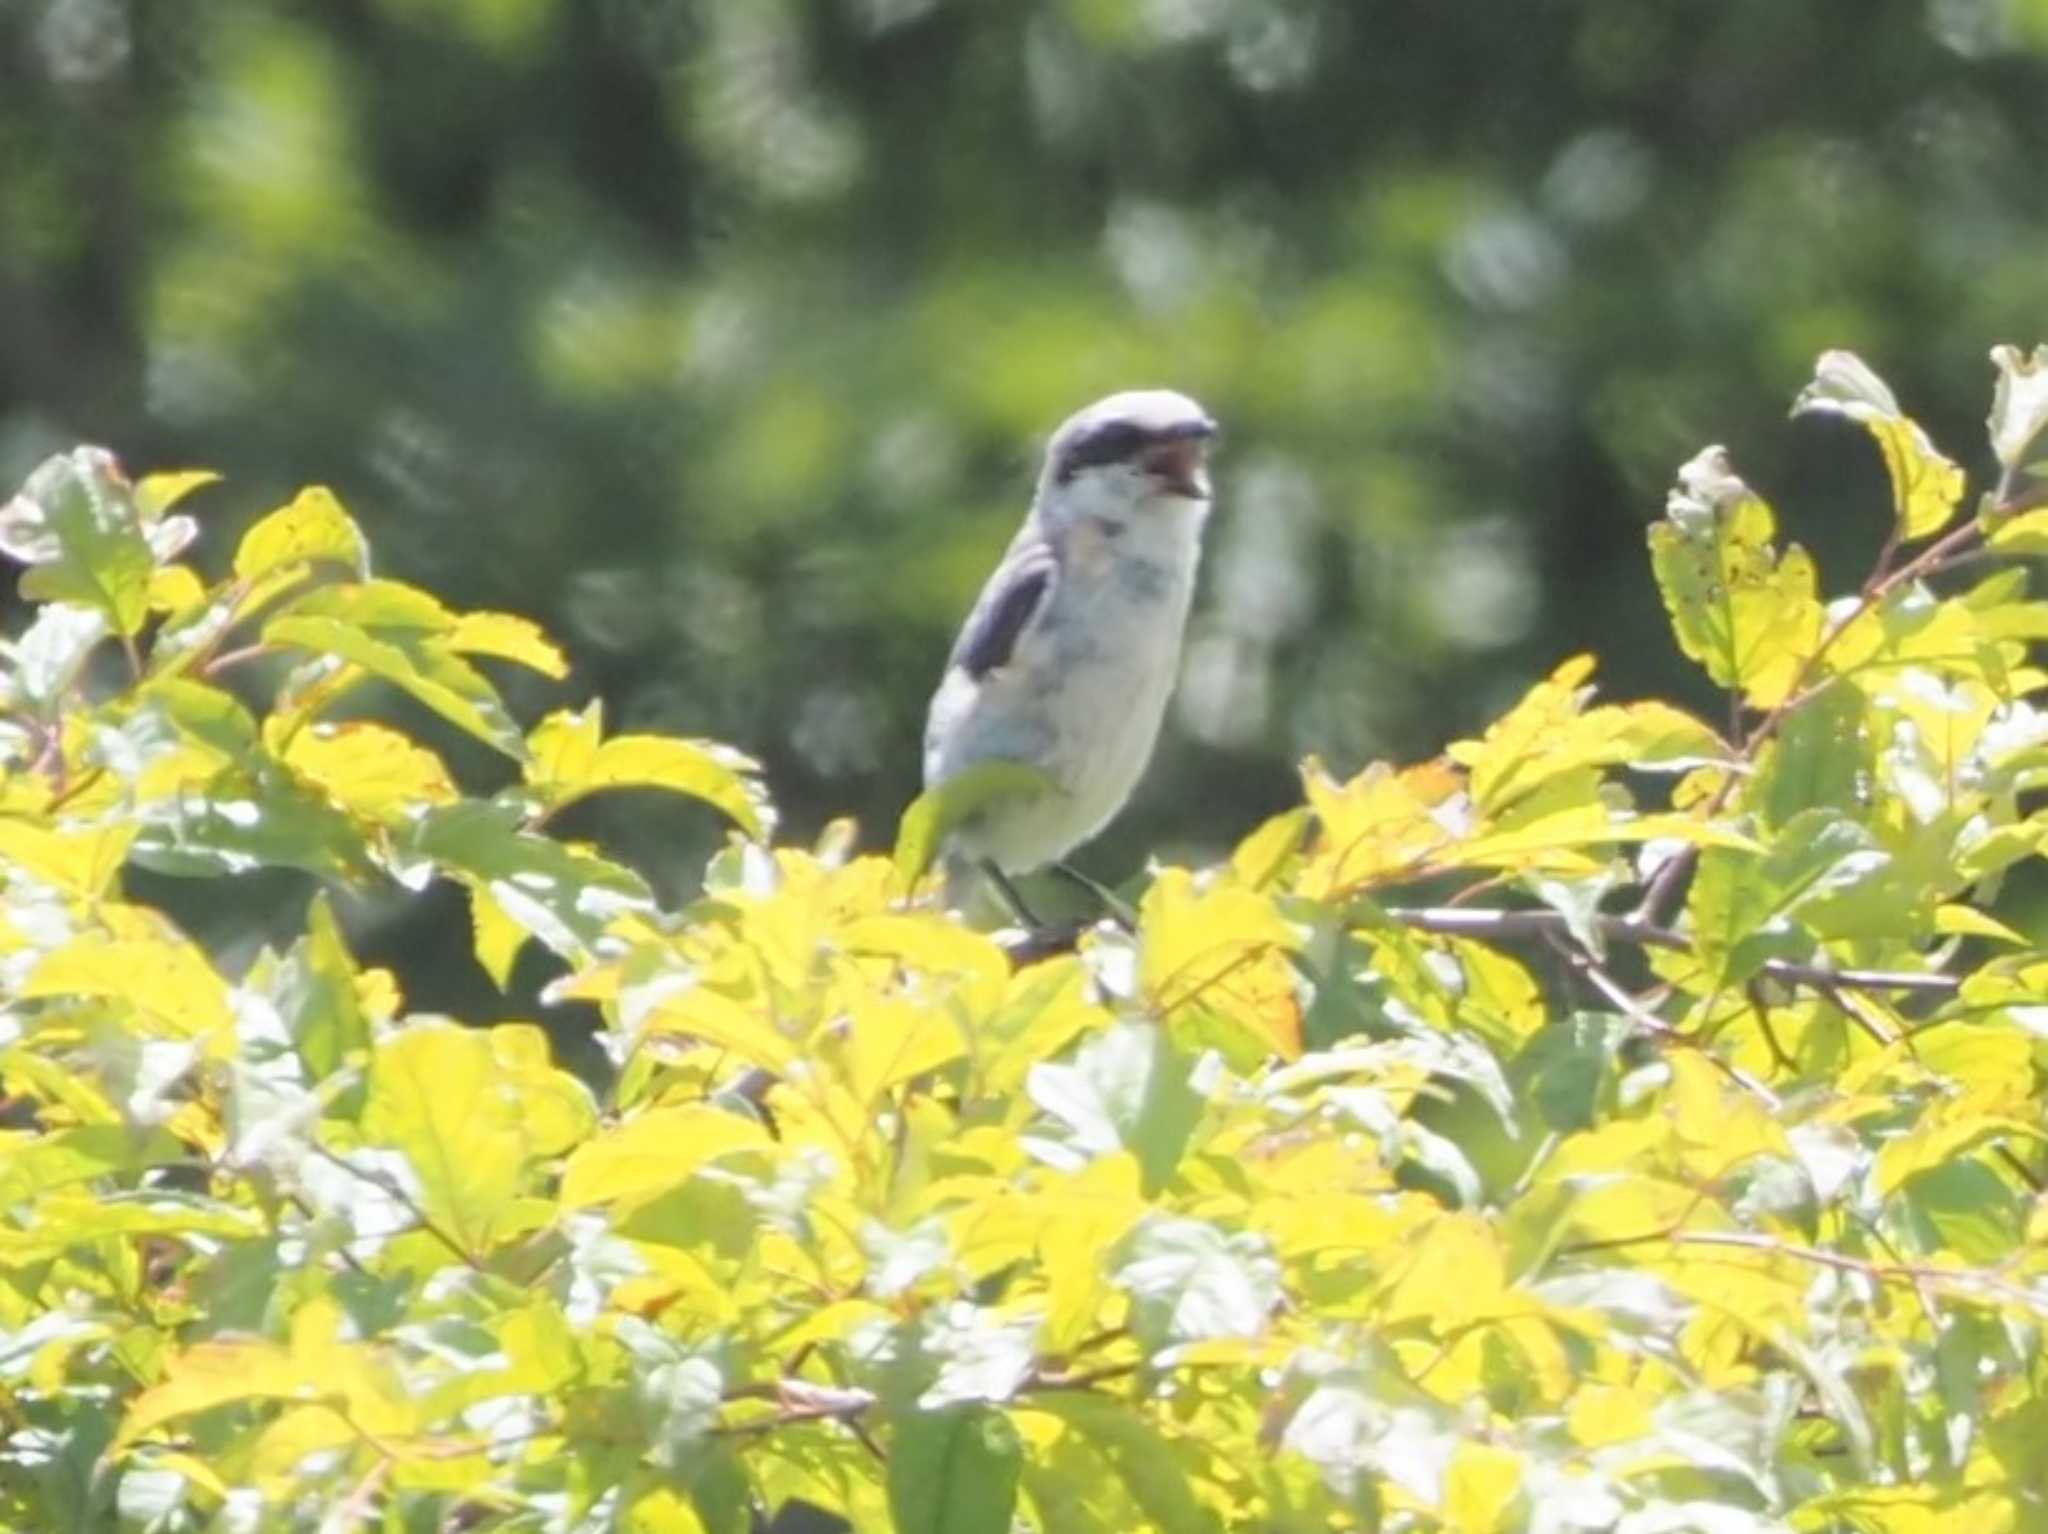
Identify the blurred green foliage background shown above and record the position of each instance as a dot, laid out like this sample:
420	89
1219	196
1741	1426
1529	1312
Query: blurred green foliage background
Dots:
720	335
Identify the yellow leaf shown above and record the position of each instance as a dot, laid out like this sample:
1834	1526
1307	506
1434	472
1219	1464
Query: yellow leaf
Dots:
193	1469
1559	842
677	1004
1717	1125
166	979
1551	733
1082	1218
212	1374
890	1042
174	589
497	937
1482	1489
312	527
661	1149
1926	486
506	637
569	760
369	769
1380	824
1916	1509
156	494
1607	1414
1968	921
1224	949
1452	1272
439	1094
555	1107
832	1323
1260	857
79	862
1941	1138
663	1510
2026	533
562	748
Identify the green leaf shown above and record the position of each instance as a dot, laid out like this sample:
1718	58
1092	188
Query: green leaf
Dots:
316	991
1966	1208
400	635
942	809
1743	907
1926	487
568	759
76	525
564	897
1751	618
1821	758
313	527
244	820
954	1472
213	717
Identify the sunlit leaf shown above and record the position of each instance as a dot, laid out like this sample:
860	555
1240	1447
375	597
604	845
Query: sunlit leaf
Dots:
507	637
440	1095
369	769
1926	487
569	759
156	494
564	897
945	808
1751	617
311	528
76	525
1552	732
163	977
402	636
658	1149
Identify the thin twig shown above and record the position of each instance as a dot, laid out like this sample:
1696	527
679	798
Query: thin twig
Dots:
1641	1015
1538	926
235	657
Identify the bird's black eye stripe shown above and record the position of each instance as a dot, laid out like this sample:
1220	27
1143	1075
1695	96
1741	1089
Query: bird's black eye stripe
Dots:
1111	442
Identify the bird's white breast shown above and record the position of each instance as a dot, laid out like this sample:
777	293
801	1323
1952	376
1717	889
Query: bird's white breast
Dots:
1086	691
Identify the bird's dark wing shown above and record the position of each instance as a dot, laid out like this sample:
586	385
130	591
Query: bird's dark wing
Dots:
1005	610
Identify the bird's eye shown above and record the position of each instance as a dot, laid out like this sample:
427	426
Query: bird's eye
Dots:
1109	443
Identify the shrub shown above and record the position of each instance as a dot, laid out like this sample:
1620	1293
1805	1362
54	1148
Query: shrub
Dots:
1310	1203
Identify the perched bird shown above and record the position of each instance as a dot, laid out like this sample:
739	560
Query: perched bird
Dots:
1066	662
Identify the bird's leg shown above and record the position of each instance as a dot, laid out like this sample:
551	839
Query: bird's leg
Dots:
1010	896
1119	912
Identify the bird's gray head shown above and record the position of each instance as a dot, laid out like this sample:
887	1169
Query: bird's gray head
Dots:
1139	453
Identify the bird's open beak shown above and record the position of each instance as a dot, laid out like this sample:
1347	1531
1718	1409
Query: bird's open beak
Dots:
1179	460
